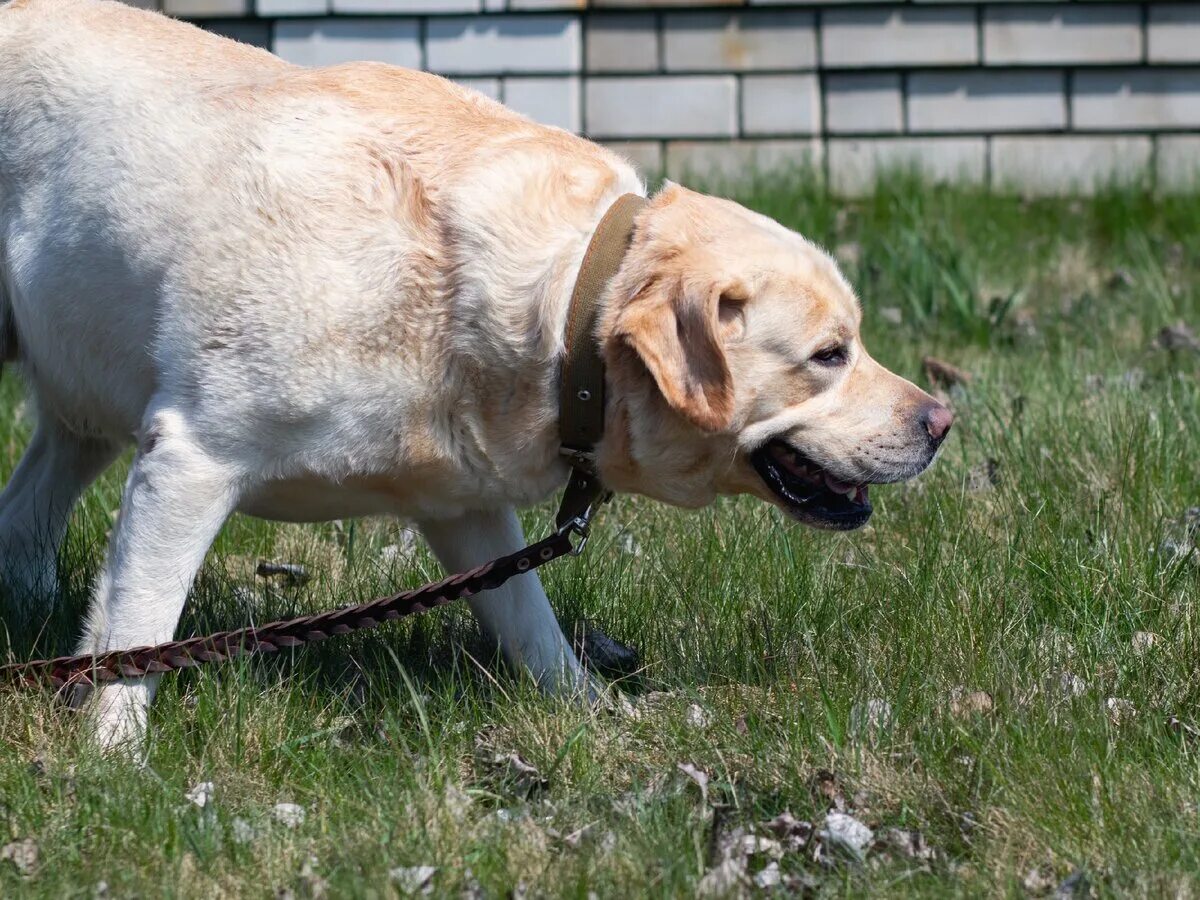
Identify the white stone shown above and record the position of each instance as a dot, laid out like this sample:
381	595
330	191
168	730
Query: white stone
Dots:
646	156
201	793
275	8
551	101
326	42
739	41
986	101
697	716
781	104
1062	34
1173	32
869	719
863	103
1133	99
289	815
405	7
844	832
1178	163
622	43
498	45
737	161
855	165
412	879
889	36
197	9
662	106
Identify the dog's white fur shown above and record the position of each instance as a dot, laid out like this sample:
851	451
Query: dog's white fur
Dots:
311	294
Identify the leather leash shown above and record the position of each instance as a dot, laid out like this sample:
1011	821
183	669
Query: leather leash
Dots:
580	428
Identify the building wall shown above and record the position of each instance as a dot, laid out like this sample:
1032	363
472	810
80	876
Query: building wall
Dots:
1046	96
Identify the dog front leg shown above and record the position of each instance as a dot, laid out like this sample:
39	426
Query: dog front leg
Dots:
175	501
517	615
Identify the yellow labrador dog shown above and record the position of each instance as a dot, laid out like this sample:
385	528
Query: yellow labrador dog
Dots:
310	294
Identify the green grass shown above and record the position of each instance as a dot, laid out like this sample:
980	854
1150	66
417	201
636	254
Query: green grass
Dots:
1002	584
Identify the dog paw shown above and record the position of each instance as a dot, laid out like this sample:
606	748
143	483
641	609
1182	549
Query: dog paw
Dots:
115	719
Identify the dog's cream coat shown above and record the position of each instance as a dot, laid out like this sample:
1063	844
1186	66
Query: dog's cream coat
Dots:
310	294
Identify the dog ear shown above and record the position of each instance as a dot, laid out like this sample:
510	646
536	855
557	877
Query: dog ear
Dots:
675	330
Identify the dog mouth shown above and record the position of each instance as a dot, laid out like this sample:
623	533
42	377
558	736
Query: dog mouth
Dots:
807	492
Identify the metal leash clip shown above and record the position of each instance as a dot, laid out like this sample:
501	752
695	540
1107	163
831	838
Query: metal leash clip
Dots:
581	525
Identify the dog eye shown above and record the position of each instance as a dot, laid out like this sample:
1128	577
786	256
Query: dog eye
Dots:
831	356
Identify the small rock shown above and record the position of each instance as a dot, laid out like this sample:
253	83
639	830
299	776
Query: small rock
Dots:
943	374
756	845
629	544
893	315
1176	338
1183	729
22	854
870	719
242	831
1054	645
908	843
768	877
520	776
293	574
201	793
1038	881
697	717
1066	685
844	833
413	879
1145	641
1074	886
964	703
721	880
289	815
100	891
1120	711
793	832
699	776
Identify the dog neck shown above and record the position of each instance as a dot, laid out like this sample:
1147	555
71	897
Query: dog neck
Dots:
581	392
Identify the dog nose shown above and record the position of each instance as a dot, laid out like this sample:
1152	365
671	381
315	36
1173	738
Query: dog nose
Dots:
937	420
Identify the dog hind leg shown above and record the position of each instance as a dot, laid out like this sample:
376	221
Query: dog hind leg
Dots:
175	501
517	615
36	505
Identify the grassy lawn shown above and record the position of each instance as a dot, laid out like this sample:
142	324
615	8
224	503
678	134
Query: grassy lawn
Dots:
969	676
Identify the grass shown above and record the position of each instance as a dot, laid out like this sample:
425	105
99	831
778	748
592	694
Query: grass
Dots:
1023	565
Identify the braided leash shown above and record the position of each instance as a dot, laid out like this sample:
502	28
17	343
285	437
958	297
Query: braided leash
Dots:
66	671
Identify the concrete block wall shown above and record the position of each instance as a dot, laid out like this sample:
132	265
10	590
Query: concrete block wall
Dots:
1042	95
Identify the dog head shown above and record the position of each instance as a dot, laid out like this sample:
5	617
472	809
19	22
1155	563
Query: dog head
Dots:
735	366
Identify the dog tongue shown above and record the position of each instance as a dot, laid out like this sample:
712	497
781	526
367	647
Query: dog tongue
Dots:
839	487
